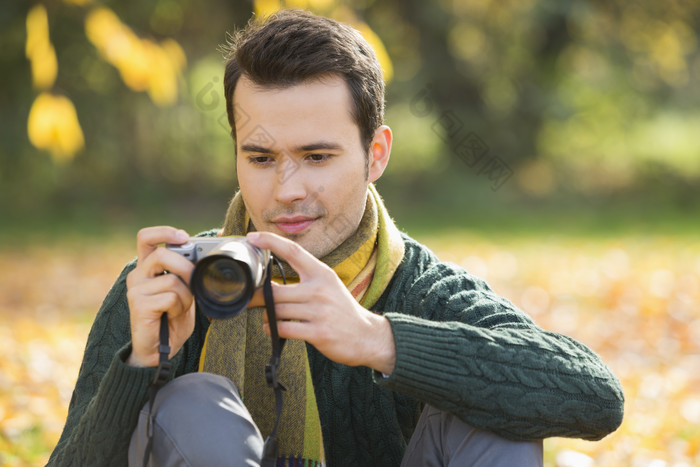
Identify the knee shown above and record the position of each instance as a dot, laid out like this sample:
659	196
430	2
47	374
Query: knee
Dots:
441	438
466	445
195	417
198	396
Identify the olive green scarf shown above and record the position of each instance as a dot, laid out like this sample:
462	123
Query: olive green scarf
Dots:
239	349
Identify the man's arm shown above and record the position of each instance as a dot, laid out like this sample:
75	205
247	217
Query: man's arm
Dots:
463	349
108	394
122	352
456	345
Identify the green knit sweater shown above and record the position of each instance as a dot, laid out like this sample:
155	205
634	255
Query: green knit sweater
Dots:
459	347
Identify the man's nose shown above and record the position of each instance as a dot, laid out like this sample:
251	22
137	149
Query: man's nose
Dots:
290	185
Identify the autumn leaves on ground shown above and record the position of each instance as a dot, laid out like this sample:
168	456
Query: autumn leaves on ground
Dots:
633	299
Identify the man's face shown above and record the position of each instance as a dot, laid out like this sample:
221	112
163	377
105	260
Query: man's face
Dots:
301	166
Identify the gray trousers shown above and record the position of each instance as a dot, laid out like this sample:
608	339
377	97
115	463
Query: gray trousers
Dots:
195	401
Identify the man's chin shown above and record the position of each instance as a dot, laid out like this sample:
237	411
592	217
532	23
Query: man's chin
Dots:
315	246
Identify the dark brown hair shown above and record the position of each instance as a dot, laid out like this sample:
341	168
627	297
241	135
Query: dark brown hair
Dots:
293	46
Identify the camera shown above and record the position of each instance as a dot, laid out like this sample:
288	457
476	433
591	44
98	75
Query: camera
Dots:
227	272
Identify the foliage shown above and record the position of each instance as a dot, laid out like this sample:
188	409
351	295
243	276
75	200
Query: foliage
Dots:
632	298
596	94
574	97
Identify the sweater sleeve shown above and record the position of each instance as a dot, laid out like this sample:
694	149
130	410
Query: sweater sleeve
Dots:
108	394
463	349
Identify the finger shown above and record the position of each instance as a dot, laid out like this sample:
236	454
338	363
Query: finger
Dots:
162	284
166	302
163	260
158	262
293	293
292	311
303	262
173	296
291	330
257	300
148	239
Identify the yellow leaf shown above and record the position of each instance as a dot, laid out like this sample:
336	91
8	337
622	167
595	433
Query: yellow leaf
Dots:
174	53
142	64
101	24
168	60
135	64
37	28
382	55
39	50
44	66
53	126
265	8
162	76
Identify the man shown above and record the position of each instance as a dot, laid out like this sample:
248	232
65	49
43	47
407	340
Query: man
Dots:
379	331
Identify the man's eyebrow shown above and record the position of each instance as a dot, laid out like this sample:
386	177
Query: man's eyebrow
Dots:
255	148
319	145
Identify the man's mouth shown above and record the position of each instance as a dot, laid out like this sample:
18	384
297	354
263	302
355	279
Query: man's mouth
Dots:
293	225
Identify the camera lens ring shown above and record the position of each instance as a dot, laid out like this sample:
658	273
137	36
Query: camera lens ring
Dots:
222	286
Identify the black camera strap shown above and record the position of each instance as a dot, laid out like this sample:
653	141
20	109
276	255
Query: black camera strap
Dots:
271	447
159	380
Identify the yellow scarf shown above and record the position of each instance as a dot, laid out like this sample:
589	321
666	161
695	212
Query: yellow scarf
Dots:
238	348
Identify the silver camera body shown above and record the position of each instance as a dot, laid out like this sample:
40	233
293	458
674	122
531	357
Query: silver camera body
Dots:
227	272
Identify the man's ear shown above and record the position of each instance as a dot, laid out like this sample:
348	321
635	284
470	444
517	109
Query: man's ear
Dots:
379	152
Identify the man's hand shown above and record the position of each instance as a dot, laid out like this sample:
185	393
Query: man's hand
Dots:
321	310
151	293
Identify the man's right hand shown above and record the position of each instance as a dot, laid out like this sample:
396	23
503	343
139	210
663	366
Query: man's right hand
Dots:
151	293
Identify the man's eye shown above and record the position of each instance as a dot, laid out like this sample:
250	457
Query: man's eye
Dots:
317	157
260	160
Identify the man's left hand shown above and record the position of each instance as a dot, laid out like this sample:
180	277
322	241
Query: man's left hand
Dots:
321	311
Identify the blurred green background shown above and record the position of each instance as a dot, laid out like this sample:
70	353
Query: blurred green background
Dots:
515	115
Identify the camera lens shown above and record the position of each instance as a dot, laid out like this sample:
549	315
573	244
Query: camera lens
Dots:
222	285
224	280
225	277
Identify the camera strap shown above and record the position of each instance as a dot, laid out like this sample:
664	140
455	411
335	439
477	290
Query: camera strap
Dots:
271	447
159	380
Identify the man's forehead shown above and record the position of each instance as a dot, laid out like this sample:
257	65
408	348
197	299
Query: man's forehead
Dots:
247	89
311	113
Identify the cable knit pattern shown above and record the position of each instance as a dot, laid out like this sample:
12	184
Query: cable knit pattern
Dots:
465	350
109	394
459	347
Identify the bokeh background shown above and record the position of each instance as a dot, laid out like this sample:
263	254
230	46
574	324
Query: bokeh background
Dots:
550	147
